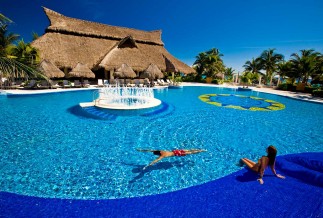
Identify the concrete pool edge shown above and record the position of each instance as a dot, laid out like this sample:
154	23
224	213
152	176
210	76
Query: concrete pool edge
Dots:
237	194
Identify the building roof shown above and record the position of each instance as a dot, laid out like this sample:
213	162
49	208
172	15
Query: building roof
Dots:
68	41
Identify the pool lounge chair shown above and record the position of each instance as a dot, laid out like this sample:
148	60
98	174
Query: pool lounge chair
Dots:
106	82
147	83
53	84
130	83
113	82
155	83
138	83
100	83
14	85
43	84
169	82
66	84
31	84
121	82
161	82
86	83
77	84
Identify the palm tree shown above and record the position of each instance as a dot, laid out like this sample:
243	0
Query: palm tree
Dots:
228	73
254	67
9	66
35	36
269	60
246	78
209	63
6	40
200	63
284	69
4	20
25	53
304	64
317	76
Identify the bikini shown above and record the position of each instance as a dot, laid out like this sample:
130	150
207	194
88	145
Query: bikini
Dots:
179	152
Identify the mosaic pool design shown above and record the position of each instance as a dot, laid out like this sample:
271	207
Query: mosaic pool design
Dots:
242	102
50	147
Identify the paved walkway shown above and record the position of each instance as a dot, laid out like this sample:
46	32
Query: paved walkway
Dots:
295	95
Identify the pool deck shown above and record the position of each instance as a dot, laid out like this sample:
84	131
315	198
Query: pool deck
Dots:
294	95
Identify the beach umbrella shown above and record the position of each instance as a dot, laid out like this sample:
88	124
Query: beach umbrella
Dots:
50	70
81	71
124	72
152	72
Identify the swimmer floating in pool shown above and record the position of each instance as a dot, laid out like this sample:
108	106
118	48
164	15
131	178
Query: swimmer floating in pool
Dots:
162	154
263	163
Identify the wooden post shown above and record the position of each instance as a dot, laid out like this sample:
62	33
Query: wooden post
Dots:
111	73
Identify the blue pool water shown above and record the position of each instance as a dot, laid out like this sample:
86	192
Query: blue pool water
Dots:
50	147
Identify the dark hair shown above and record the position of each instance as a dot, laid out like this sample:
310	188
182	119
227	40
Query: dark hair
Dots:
157	153
272	152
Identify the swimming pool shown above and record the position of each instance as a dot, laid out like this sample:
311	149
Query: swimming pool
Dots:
50	147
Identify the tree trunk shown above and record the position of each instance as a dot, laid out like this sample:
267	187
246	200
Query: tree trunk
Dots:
271	79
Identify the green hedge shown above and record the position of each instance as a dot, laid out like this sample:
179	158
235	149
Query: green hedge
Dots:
291	87
287	87
318	93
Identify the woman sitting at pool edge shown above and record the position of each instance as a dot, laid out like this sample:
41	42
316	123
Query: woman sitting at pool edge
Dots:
263	163
162	154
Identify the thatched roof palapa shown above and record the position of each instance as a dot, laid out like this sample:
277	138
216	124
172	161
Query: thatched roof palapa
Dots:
125	72
50	70
68	41
81	70
152	72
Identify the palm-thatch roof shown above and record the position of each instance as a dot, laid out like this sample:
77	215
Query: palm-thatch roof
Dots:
125	72
152	72
68	41
50	70
81	70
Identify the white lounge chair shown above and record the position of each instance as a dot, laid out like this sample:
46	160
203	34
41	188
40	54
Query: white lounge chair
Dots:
161	82
100	83
169	82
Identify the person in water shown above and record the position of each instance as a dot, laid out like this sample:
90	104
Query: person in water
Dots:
162	154
263	163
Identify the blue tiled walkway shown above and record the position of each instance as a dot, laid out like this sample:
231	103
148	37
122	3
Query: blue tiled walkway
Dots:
236	195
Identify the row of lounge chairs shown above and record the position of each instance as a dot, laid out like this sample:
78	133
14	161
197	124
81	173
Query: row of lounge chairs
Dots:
44	84
133	82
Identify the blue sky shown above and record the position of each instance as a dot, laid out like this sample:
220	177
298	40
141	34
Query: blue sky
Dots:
240	29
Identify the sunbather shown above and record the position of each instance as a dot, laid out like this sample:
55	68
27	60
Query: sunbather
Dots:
162	154
263	163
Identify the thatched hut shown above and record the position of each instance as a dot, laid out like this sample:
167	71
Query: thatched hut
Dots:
125	72
152	72
81	71
103	48
50	70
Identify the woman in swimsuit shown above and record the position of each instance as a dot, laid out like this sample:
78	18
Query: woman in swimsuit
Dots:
162	154
263	163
